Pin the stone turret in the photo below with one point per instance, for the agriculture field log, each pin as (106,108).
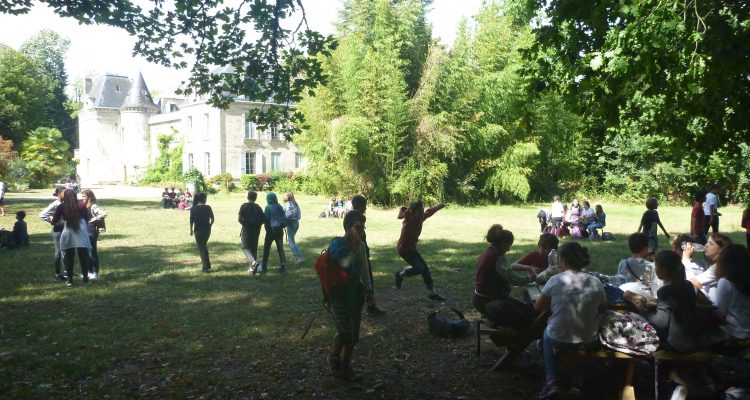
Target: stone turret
(136,110)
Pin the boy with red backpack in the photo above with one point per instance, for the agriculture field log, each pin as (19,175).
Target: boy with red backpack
(347,298)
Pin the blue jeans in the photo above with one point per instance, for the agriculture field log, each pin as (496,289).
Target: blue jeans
(550,360)
(594,226)
(292,226)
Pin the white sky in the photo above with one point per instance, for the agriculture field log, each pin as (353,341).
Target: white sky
(98,49)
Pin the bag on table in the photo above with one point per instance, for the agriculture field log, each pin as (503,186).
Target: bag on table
(627,333)
(445,326)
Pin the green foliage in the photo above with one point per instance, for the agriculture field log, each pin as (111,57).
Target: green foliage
(675,72)
(23,96)
(168,164)
(6,155)
(207,34)
(250,182)
(18,176)
(224,182)
(47,49)
(46,155)
(193,177)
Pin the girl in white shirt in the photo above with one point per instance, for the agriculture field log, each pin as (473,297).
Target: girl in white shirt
(732,294)
(574,300)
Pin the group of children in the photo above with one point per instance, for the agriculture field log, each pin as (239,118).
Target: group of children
(576,220)
(76,226)
(574,299)
(180,200)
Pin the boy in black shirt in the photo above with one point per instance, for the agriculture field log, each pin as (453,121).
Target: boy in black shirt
(20,231)
(252,218)
(201,219)
(650,223)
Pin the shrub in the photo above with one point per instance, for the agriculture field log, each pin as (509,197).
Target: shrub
(250,182)
(223,181)
(195,178)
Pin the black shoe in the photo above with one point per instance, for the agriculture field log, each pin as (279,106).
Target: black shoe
(69,283)
(375,311)
(436,297)
(206,270)
(87,281)
(399,279)
(282,269)
(59,278)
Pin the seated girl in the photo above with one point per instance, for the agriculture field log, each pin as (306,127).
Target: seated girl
(598,221)
(675,317)
(692,266)
(732,294)
(707,280)
(494,281)
(574,300)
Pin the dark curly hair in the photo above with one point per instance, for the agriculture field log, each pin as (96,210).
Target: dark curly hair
(575,255)
(499,236)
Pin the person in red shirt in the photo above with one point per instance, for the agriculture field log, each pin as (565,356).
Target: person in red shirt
(697,219)
(537,261)
(411,228)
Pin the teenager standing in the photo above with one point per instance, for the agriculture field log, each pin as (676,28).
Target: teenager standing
(201,219)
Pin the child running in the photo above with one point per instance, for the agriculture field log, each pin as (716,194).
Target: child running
(411,228)
(201,219)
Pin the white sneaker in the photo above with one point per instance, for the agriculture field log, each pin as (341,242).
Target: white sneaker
(93,276)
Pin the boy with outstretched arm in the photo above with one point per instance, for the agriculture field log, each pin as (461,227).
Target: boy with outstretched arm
(650,223)
(411,228)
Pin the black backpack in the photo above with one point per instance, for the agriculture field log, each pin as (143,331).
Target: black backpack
(444,326)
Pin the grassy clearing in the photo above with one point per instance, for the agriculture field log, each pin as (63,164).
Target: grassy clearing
(155,326)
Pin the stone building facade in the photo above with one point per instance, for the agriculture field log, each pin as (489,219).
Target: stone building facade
(119,125)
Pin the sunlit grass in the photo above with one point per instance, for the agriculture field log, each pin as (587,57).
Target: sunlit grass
(154,318)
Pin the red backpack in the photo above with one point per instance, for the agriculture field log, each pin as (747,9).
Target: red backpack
(331,274)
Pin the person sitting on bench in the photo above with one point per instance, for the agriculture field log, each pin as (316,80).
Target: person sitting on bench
(574,300)
(494,281)
(732,294)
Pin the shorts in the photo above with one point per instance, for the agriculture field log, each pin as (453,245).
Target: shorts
(347,319)
(2,201)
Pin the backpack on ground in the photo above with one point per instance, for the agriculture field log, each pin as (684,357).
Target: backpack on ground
(576,232)
(608,236)
(627,333)
(333,277)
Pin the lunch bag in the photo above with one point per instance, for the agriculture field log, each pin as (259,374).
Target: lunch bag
(445,326)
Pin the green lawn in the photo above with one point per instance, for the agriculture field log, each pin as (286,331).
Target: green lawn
(154,326)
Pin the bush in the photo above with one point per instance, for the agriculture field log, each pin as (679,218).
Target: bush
(250,182)
(195,178)
(223,182)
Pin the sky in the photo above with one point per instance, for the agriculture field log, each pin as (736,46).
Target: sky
(98,49)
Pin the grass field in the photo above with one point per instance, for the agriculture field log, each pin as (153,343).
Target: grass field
(154,326)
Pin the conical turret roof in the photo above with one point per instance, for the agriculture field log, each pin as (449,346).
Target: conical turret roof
(138,96)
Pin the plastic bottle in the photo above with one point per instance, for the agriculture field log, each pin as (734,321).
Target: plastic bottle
(552,260)
(697,247)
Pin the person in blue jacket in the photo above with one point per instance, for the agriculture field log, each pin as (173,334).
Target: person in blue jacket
(275,221)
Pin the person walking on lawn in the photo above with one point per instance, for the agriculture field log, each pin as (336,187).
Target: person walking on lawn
(411,228)
(359,204)
(275,222)
(201,220)
(251,218)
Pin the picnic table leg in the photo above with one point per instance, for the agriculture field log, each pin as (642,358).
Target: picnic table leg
(628,393)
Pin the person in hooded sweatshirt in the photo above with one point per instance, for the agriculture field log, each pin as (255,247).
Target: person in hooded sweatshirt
(275,221)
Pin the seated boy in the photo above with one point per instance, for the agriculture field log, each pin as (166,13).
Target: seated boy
(632,268)
(20,231)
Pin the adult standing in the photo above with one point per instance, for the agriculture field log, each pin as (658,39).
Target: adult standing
(97,218)
(2,199)
(251,218)
(711,209)
(275,219)
(697,218)
(47,215)
(359,204)
(556,213)
(74,237)
(293,215)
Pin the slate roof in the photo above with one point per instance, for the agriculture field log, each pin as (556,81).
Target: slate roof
(117,91)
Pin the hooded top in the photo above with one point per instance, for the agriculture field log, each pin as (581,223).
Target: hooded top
(274,213)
